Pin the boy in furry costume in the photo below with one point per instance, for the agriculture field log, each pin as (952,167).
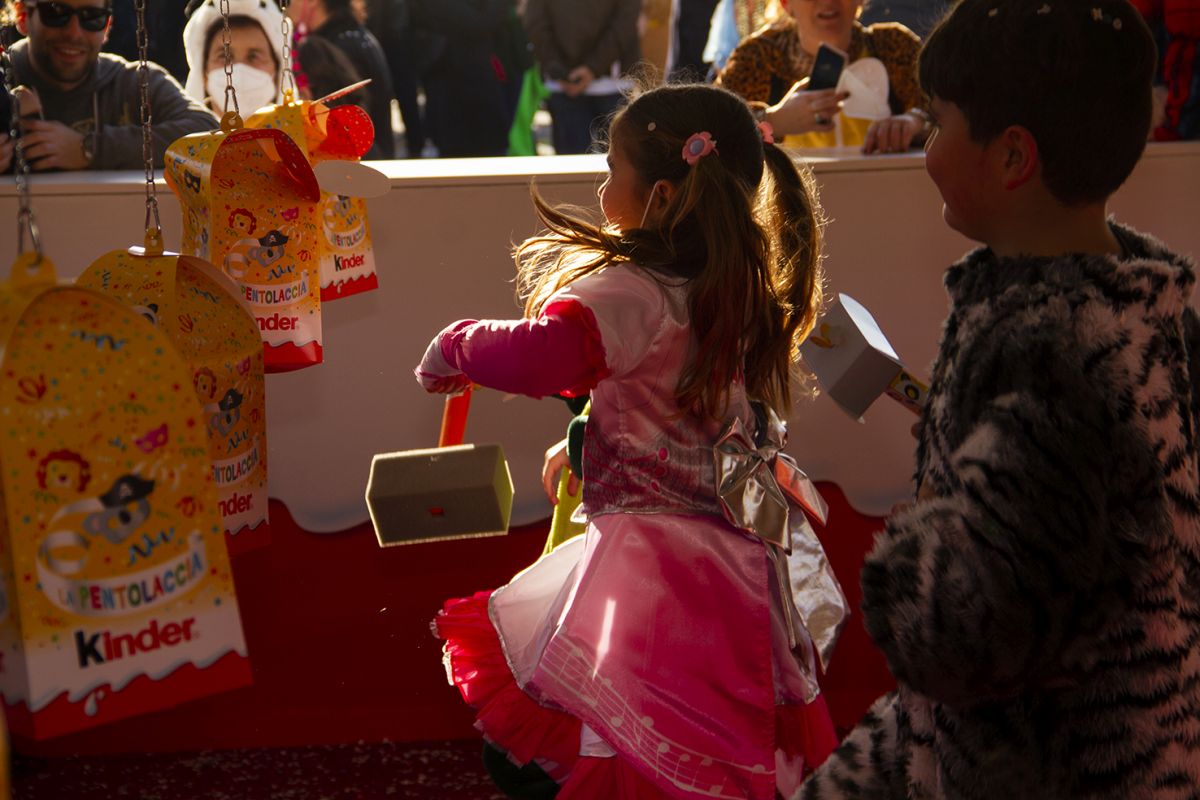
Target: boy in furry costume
(1039,603)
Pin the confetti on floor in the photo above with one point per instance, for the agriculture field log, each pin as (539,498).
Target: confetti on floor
(363,771)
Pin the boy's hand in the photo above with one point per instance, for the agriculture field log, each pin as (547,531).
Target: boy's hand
(555,462)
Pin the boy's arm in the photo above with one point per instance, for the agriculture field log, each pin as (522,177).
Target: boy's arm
(1001,582)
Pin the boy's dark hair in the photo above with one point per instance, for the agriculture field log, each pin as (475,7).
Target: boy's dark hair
(1076,73)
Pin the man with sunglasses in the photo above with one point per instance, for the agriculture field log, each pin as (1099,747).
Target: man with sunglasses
(84,108)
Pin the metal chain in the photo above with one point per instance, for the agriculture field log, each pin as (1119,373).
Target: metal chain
(287,79)
(225,36)
(153,234)
(26,222)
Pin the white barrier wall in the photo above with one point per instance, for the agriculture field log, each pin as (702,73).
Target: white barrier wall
(442,238)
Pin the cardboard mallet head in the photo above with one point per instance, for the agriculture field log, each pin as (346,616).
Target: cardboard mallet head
(453,491)
(855,363)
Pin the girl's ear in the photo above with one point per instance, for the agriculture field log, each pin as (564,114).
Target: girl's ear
(1019,150)
(663,192)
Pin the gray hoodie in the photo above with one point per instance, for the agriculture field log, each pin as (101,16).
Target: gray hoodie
(109,103)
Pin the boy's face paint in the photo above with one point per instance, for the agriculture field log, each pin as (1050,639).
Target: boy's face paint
(958,166)
(623,195)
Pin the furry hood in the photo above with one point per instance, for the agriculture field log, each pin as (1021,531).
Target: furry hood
(1146,263)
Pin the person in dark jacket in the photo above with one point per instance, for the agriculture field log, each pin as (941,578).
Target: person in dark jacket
(83,110)
(334,22)
(470,97)
(585,49)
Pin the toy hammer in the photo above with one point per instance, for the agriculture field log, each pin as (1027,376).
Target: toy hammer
(452,491)
(855,363)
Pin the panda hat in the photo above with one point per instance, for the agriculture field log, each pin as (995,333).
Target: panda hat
(207,14)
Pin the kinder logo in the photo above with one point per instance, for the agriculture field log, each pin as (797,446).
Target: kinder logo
(103,647)
(237,504)
(277,322)
(347,262)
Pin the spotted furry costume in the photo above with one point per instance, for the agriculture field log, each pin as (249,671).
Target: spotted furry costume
(1041,612)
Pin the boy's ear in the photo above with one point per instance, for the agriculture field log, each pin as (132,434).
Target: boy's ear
(22,13)
(1020,153)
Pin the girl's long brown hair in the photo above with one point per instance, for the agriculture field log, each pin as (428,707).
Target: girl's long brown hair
(743,227)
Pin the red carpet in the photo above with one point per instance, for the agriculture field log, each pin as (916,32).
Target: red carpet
(340,647)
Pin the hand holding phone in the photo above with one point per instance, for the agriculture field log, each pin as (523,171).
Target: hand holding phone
(827,67)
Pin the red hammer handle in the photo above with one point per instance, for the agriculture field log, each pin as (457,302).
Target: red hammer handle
(454,419)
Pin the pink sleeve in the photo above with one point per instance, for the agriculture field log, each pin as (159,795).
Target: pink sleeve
(560,352)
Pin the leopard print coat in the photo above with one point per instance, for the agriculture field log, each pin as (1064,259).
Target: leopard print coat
(767,63)
(1041,612)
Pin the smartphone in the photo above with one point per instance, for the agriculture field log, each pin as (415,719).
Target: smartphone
(827,68)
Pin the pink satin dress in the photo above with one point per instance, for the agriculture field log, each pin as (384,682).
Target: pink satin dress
(659,654)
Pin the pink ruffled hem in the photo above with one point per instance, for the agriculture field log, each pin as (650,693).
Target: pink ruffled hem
(527,731)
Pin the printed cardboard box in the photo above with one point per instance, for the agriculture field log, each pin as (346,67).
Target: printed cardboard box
(118,594)
(250,206)
(196,306)
(343,133)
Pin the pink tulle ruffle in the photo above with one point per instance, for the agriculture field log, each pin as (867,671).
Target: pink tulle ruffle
(507,716)
(527,731)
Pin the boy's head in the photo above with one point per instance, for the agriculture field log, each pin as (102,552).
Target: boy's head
(1076,74)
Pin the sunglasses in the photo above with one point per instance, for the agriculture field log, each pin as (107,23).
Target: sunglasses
(57,15)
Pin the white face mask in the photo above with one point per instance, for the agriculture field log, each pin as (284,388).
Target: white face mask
(254,87)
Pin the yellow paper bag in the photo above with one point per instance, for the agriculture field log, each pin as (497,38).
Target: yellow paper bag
(195,306)
(119,596)
(250,206)
(343,133)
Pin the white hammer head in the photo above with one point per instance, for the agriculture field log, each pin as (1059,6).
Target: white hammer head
(854,361)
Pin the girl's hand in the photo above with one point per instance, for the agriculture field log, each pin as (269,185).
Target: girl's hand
(802,111)
(436,375)
(556,461)
(893,134)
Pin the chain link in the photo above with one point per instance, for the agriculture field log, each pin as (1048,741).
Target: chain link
(287,79)
(225,41)
(26,222)
(143,43)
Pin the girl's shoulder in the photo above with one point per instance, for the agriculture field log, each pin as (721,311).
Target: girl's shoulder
(626,287)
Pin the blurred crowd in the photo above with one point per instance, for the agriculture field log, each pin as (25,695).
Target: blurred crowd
(469,77)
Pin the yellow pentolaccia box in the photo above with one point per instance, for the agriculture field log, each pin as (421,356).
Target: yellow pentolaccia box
(250,206)
(342,133)
(119,598)
(195,306)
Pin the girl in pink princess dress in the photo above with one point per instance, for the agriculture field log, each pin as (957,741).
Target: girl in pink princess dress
(670,651)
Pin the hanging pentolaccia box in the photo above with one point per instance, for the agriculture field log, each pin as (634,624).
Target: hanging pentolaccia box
(120,599)
(334,139)
(195,306)
(250,206)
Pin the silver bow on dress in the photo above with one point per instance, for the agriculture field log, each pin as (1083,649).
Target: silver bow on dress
(757,488)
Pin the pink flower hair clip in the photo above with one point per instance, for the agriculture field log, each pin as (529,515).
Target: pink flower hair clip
(698,146)
(768,133)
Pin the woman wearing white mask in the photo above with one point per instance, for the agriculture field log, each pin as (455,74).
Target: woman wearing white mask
(255,45)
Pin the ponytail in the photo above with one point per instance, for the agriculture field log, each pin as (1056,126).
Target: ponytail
(790,214)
